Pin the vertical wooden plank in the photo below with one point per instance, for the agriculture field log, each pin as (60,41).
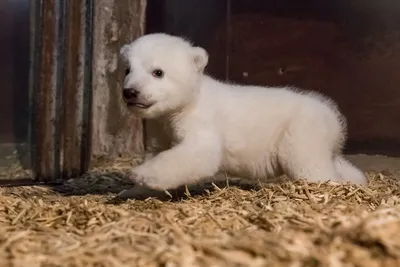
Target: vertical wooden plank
(76,88)
(60,80)
(116,132)
(44,83)
(72,89)
(86,138)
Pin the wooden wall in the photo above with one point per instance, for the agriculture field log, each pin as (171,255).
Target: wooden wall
(346,49)
(115,132)
(76,82)
(62,84)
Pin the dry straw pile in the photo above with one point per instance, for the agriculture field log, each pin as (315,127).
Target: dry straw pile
(296,224)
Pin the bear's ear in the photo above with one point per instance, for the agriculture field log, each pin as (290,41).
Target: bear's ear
(200,58)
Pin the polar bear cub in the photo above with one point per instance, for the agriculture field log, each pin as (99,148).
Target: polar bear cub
(247,131)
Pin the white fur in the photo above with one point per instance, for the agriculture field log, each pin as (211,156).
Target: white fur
(248,131)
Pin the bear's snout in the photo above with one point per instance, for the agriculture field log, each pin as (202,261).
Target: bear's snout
(130,93)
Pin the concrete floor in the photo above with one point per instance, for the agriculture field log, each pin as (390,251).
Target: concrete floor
(10,154)
(375,163)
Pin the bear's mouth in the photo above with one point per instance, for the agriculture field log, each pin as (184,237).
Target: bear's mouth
(138,105)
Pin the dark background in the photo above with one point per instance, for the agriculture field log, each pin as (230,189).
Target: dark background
(346,49)
(14,69)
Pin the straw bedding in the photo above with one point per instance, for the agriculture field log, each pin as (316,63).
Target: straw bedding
(218,223)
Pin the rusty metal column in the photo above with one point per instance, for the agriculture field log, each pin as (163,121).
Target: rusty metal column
(60,82)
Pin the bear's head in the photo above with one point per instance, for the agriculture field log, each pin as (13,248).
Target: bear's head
(163,74)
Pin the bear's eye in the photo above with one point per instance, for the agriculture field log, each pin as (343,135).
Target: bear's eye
(127,71)
(158,73)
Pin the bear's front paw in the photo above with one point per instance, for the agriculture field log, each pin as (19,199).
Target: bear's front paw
(142,178)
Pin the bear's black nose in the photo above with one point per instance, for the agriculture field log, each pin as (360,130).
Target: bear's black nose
(130,93)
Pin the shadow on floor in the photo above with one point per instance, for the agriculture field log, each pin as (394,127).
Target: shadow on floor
(114,183)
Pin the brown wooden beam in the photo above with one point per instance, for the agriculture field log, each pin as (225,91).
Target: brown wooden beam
(73,89)
(44,84)
(67,35)
(116,132)
(61,83)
